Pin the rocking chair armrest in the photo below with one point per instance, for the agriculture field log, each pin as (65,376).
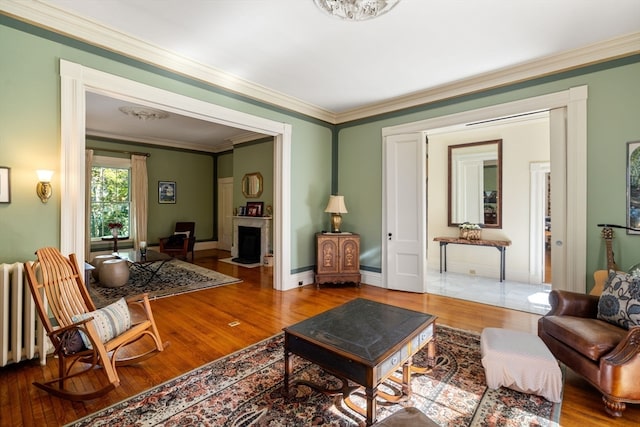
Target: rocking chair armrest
(74,325)
(137,298)
(139,308)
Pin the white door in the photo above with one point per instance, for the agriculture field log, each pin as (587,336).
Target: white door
(559,197)
(405,215)
(225,213)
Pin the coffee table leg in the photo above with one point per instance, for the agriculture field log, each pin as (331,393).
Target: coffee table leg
(372,405)
(406,378)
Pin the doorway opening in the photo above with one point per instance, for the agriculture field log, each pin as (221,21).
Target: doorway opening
(76,80)
(568,124)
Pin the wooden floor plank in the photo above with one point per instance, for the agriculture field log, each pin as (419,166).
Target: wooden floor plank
(197,326)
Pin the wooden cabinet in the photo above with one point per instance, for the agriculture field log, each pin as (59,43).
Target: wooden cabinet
(337,258)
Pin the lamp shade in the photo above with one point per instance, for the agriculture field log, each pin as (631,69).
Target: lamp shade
(336,205)
(44,175)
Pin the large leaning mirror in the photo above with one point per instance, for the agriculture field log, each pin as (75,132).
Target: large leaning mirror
(475,183)
(252,185)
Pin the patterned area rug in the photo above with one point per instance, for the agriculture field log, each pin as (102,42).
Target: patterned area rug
(175,277)
(245,389)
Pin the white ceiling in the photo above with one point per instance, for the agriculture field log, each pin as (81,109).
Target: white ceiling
(289,48)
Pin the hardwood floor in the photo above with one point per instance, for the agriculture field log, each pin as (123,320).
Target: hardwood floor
(197,325)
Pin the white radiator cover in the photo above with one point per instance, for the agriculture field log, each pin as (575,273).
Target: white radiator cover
(22,336)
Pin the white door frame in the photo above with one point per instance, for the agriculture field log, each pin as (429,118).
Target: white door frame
(538,173)
(222,183)
(574,100)
(77,79)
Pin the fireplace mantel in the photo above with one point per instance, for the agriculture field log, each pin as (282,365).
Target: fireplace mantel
(261,222)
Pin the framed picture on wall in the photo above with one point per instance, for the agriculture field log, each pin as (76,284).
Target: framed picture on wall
(5,187)
(633,186)
(254,208)
(166,192)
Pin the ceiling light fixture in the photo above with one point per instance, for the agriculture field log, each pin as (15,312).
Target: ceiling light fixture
(143,113)
(356,10)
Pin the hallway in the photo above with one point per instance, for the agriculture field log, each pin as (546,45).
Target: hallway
(513,295)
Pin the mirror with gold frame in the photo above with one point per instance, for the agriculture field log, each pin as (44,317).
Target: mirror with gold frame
(252,185)
(475,183)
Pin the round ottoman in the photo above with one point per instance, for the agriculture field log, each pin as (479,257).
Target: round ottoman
(97,262)
(114,273)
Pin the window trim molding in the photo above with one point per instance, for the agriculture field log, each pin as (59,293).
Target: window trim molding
(116,163)
(111,162)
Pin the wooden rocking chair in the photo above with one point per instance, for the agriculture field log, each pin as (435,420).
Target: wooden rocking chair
(70,321)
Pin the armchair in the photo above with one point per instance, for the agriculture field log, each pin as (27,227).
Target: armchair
(182,241)
(606,355)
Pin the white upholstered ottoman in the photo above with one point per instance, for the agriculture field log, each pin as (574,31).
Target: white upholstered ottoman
(520,361)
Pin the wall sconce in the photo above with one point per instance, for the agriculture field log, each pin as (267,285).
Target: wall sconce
(43,189)
(336,207)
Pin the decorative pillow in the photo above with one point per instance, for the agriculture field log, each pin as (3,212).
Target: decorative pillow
(184,233)
(619,302)
(109,321)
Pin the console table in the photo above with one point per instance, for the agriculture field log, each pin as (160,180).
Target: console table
(500,245)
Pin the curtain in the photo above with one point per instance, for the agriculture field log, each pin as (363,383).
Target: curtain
(140,199)
(88,161)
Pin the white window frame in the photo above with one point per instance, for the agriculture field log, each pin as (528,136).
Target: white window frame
(119,163)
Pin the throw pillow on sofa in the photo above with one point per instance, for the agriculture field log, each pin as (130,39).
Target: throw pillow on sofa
(619,303)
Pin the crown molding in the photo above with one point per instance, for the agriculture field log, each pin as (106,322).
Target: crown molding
(595,53)
(60,21)
(245,137)
(207,148)
(50,17)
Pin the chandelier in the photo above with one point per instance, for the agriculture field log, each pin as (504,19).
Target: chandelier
(356,10)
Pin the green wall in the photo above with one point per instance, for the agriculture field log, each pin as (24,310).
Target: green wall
(30,140)
(251,158)
(612,109)
(224,163)
(193,174)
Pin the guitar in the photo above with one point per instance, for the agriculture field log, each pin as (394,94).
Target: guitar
(600,276)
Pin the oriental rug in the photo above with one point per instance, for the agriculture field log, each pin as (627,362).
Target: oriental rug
(245,389)
(174,277)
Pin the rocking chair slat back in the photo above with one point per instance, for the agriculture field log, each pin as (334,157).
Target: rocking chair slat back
(63,285)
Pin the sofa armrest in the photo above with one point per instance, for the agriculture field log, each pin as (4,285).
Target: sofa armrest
(566,303)
(626,350)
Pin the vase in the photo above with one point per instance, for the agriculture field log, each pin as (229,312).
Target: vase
(114,233)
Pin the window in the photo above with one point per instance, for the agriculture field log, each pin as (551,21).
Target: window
(110,195)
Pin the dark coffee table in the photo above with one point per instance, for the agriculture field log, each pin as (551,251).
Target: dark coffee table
(366,342)
(149,263)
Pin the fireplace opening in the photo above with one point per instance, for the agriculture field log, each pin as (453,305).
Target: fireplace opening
(248,245)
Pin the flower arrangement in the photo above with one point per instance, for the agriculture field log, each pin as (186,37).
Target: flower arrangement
(114,225)
(470,231)
(469,226)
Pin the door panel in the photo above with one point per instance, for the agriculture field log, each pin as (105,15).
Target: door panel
(404,243)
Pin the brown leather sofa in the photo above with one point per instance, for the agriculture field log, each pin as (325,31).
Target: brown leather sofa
(606,355)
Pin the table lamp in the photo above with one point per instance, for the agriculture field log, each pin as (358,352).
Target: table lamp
(336,207)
